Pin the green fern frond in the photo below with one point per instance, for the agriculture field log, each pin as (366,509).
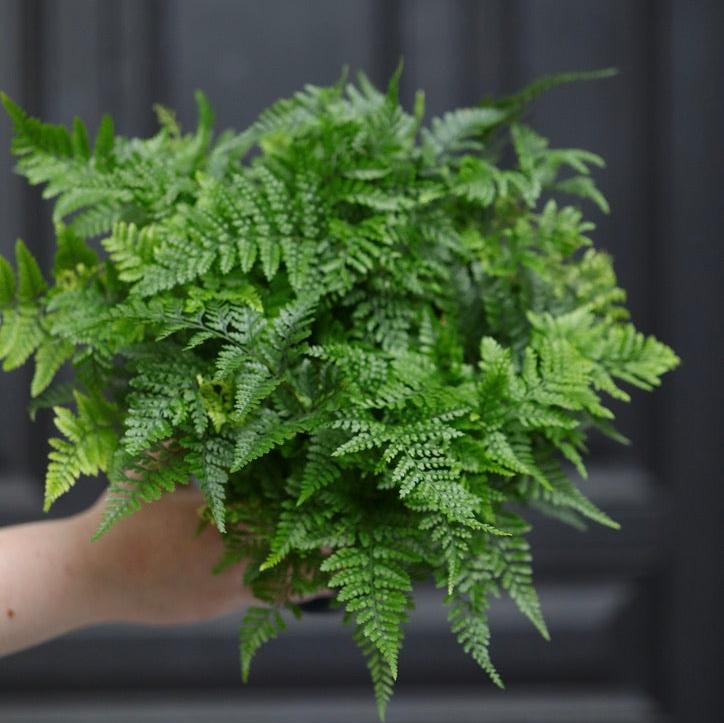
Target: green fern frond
(32,136)
(20,335)
(253,386)
(49,357)
(459,131)
(209,461)
(30,280)
(512,565)
(131,249)
(86,448)
(7,283)
(470,626)
(104,142)
(518,102)
(383,678)
(365,338)
(263,433)
(135,481)
(259,626)
(320,469)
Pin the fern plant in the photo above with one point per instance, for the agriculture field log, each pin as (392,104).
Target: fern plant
(374,342)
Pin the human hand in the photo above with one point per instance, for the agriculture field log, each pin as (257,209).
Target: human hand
(151,567)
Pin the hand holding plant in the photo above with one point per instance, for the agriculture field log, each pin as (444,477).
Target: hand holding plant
(152,568)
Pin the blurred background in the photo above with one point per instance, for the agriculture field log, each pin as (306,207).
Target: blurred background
(633,614)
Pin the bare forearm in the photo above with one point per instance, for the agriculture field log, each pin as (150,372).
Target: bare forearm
(151,567)
(45,586)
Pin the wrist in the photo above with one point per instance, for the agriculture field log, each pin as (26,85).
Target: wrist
(93,598)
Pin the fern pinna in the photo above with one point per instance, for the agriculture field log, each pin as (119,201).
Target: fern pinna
(373,342)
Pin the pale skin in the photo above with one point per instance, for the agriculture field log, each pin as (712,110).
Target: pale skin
(151,568)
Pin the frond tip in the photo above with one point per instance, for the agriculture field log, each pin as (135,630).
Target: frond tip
(258,626)
(86,447)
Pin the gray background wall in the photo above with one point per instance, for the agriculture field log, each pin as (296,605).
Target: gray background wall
(633,614)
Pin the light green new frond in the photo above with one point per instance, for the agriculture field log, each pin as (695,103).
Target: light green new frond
(231,360)
(299,250)
(565,378)
(177,260)
(21,330)
(20,335)
(584,187)
(477,181)
(79,139)
(358,249)
(97,220)
(377,200)
(272,219)
(566,494)
(529,146)
(7,283)
(608,350)
(238,325)
(449,497)
(364,435)
(542,166)
(637,359)
(103,150)
(72,253)
(151,419)
(298,257)
(32,136)
(49,357)
(87,195)
(199,144)
(361,367)
(131,249)
(57,395)
(87,447)
(258,626)
(30,280)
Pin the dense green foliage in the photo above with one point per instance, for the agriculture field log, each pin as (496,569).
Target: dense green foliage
(375,343)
